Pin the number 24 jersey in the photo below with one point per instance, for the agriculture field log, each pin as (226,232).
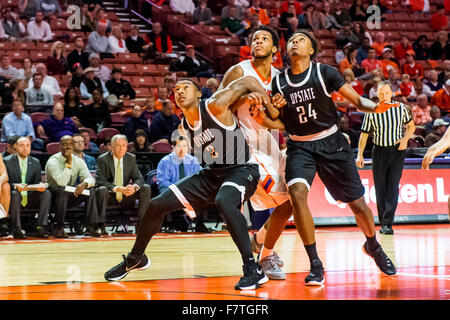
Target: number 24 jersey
(309,109)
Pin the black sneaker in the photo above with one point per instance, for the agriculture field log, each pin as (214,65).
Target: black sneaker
(60,233)
(91,230)
(381,259)
(41,233)
(19,234)
(316,275)
(252,279)
(121,270)
(386,230)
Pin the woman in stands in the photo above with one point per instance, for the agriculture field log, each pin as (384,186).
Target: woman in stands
(27,71)
(140,143)
(358,29)
(73,107)
(96,115)
(57,61)
(17,92)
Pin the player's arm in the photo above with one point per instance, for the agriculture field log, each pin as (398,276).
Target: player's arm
(222,100)
(436,149)
(232,74)
(364,104)
(235,73)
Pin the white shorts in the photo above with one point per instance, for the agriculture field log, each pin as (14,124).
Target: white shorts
(272,190)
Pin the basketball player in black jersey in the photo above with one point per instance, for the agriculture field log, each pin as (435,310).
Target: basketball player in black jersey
(316,145)
(229,177)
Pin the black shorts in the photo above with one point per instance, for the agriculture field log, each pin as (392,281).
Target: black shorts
(332,159)
(200,190)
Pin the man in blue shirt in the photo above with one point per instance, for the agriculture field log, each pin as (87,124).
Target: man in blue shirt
(164,123)
(78,148)
(20,124)
(174,167)
(57,125)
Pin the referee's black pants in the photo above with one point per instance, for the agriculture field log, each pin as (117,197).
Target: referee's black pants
(387,167)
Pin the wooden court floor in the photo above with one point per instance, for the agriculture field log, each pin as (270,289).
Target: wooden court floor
(206,267)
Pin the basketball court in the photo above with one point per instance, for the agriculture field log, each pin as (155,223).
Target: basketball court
(189,266)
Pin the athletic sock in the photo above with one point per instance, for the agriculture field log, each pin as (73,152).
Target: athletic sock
(261,235)
(372,243)
(265,253)
(312,252)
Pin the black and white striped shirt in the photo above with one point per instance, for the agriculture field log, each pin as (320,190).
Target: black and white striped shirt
(387,127)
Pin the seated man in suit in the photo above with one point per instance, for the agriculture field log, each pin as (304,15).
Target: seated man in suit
(24,170)
(119,181)
(64,169)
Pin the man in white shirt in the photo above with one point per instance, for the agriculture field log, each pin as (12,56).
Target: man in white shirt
(64,169)
(102,72)
(6,69)
(37,94)
(49,82)
(429,88)
(38,29)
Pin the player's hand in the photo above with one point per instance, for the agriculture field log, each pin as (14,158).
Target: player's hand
(360,162)
(428,159)
(278,101)
(258,113)
(259,99)
(384,105)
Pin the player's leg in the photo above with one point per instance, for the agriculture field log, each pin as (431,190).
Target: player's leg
(364,219)
(275,226)
(238,186)
(338,172)
(300,172)
(183,194)
(268,258)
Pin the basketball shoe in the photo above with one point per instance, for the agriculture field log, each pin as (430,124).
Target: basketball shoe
(256,248)
(253,277)
(381,259)
(271,268)
(316,275)
(121,270)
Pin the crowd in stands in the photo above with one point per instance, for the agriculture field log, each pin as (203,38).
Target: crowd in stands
(95,91)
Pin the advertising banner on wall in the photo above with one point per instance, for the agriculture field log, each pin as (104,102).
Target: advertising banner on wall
(423,197)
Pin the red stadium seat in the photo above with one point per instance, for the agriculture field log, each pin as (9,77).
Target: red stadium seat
(39,116)
(327,43)
(322,33)
(39,56)
(106,133)
(222,51)
(53,147)
(129,58)
(91,132)
(20,46)
(162,147)
(144,82)
(3,146)
(6,45)
(128,69)
(142,92)
(19,55)
(116,118)
(148,70)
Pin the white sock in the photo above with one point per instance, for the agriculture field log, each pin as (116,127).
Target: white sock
(261,235)
(265,253)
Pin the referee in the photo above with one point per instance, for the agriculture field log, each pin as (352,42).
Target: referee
(388,155)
